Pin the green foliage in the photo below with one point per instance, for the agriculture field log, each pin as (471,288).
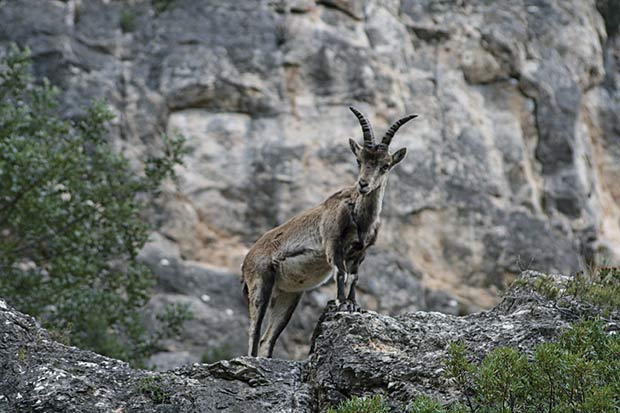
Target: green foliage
(216,354)
(580,372)
(70,220)
(500,380)
(600,288)
(161,6)
(22,355)
(361,405)
(127,21)
(424,404)
(546,287)
(153,388)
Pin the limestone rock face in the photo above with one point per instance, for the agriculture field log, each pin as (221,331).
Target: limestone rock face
(513,162)
(352,354)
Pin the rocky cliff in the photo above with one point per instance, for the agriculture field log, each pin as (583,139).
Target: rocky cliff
(359,354)
(512,164)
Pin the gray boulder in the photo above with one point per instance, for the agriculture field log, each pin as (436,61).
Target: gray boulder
(41,375)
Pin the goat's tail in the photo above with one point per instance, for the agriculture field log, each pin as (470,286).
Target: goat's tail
(245,286)
(245,290)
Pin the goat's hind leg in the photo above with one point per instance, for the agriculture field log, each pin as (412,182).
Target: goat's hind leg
(281,309)
(258,301)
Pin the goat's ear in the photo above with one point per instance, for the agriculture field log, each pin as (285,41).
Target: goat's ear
(398,156)
(355,147)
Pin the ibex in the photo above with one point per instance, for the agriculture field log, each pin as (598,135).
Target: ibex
(302,253)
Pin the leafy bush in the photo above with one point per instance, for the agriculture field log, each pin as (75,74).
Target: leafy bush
(599,289)
(580,372)
(153,388)
(70,220)
(602,288)
(361,405)
(425,404)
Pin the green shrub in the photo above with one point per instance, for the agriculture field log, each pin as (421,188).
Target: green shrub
(546,287)
(425,404)
(153,388)
(70,220)
(579,372)
(361,405)
(600,288)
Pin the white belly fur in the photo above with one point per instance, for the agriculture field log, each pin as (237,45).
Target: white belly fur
(303,272)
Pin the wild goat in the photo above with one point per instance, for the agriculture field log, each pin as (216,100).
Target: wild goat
(302,253)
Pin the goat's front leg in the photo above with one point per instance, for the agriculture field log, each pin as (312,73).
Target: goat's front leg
(354,267)
(336,258)
(349,304)
(346,302)
(335,252)
(351,296)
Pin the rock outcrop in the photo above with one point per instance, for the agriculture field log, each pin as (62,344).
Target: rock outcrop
(352,354)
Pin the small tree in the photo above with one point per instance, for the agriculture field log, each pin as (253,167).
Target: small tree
(71,221)
(577,372)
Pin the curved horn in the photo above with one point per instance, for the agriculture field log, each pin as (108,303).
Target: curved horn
(369,135)
(387,138)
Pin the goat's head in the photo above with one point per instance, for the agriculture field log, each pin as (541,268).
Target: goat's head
(374,160)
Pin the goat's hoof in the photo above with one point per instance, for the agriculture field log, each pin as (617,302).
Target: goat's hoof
(333,305)
(349,306)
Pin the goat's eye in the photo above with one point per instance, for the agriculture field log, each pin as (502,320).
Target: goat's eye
(385,168)
(358,162)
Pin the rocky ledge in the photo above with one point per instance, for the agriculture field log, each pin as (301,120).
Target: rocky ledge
(352,354)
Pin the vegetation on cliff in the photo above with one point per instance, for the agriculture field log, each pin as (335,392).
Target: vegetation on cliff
(71,220)
(577,372)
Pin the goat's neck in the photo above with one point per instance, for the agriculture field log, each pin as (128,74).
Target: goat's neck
(367,209)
